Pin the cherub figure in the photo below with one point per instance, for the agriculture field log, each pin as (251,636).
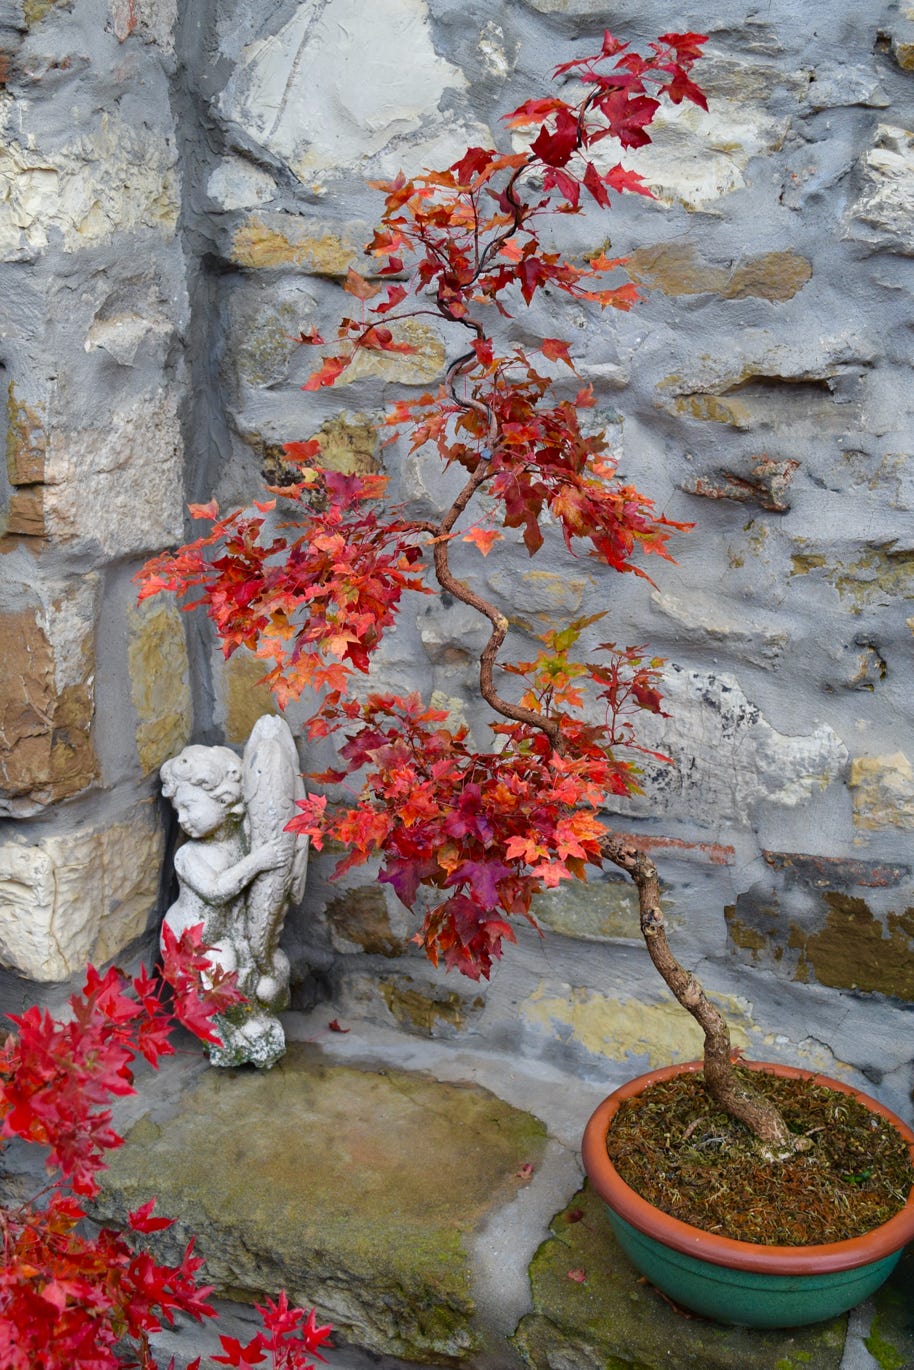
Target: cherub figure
(237,873)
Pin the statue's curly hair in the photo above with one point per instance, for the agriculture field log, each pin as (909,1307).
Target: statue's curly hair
(214,769)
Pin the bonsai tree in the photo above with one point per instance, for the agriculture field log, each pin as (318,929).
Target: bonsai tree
(481,831)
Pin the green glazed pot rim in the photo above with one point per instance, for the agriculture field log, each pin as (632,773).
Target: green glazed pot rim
(774,1260)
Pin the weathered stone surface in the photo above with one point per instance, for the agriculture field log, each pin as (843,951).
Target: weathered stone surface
(539,600)
(696,157)
(235,183)
(762,642)
(766,485)
(287,80)
(882,788)
(159,681)
(47,669)
(811,393)
(79,896)
(153,19)
(326,1198)
(599,911)
(349,443)
(26,441)
(359,919)
(726,756)
(115,177)
(271,241)
(815,919)
(883,213)
(420,367)
(659,1033)
(611,1320)
(880,573)
(676,269)
(433,1012)
(242,698)
(117,488)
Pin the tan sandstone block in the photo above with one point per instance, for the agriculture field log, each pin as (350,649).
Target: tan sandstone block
(882,788)
(46,697)
(78,897)
(159,681)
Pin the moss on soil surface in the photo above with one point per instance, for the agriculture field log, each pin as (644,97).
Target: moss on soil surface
(687,1157)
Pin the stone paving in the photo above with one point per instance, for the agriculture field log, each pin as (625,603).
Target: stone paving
(428,1197)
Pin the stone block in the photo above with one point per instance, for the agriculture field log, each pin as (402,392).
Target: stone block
(883,213)
(114,177)
(676,269)
(339,1199)
(882,789)
(697,157)
(79,896)
(241,699)
(276,241)
(287,79)
(47,671)
(830,921)
(117,489)
(619,1029)
(726,757)
(159,681)
(876,574)
(359,920)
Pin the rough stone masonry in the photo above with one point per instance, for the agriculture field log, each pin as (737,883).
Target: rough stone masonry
(182,191)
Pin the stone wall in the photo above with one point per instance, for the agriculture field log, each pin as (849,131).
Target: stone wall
(180,195)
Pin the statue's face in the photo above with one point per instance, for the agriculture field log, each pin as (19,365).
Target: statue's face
(199,813)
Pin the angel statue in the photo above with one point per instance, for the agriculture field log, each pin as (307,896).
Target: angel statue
(238,872)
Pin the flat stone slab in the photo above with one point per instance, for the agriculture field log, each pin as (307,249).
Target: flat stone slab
(611,1320)
(355,1189)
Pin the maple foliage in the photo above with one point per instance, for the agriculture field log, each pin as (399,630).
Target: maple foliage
(466,836)
(70,1297)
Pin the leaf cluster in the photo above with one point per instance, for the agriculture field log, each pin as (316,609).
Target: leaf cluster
(71,1296)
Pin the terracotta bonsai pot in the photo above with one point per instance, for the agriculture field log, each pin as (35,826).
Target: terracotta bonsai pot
(740,1282)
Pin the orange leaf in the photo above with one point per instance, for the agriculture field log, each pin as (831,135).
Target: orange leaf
(204,511)
(302,451)
(557,351)
(483,538)
(332,368)
(358,286)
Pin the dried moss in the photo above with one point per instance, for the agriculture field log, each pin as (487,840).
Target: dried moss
(674,1146)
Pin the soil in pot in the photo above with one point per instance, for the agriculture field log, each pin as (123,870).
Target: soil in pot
(682,1153)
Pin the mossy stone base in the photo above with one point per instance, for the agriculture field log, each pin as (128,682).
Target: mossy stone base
(611,1320)
(353,1189)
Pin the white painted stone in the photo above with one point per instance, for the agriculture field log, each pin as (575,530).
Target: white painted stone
(78,896)
(726,757)
(346,58)
(118,487)
(116,178)
(237,184)
(883,214)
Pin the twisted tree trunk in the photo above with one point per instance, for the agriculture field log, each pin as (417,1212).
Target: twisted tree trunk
(741,1102)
